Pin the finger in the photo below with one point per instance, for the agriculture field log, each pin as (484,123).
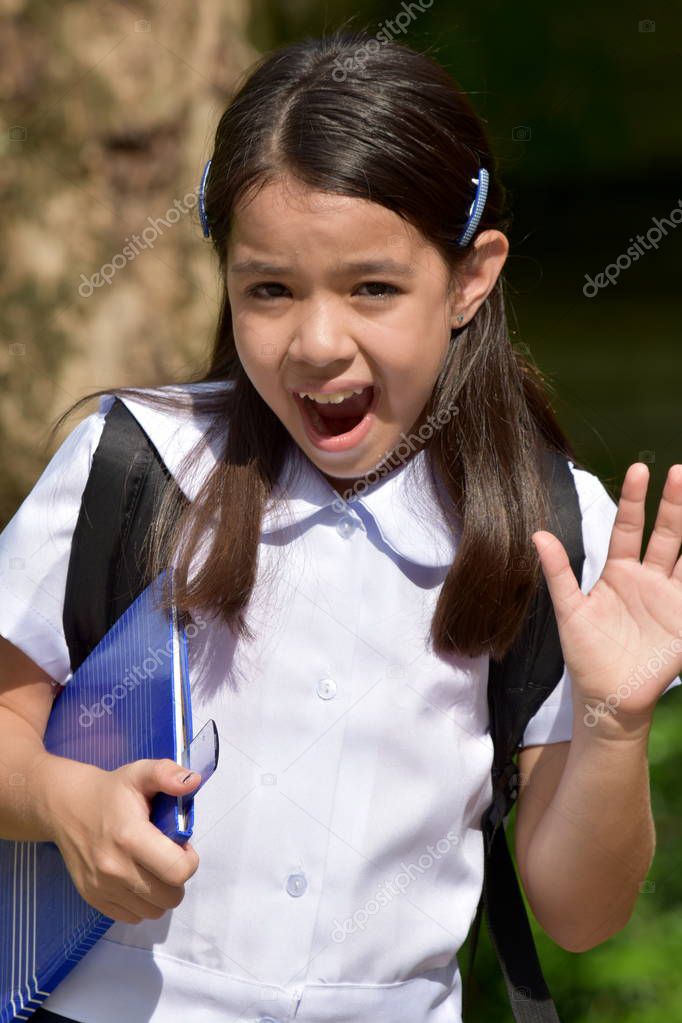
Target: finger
(133,911)
(664,543)
(155,894)
(118,912)
(136,903)
(162,860)
(561,582)
(150,890)
(626,535)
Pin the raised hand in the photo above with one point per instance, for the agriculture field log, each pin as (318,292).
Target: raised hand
(622,642)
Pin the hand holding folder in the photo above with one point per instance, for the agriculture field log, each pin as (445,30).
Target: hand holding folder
(129,700)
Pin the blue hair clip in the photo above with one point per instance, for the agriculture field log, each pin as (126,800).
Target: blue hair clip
(475,210)
(202,201)
(477,206)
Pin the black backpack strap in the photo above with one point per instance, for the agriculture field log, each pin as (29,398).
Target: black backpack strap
(517,686)
(106,564)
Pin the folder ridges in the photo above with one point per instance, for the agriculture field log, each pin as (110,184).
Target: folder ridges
(120,705)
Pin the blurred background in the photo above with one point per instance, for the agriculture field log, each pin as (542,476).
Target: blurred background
(108,115)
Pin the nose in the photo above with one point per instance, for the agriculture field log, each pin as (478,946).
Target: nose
(321,337)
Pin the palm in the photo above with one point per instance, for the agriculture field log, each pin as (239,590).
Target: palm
(627,631)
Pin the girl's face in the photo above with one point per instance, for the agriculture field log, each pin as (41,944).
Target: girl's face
(346,295)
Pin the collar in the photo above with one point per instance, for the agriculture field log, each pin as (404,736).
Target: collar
(403,503)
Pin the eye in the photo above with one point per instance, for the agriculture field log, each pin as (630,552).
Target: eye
(253,291)
(380,284)
(389,290)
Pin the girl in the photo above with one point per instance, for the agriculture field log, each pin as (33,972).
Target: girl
(362,458)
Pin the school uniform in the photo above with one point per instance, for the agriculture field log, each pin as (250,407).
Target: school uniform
(341,858)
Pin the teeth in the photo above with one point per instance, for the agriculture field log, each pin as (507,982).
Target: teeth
(335,399)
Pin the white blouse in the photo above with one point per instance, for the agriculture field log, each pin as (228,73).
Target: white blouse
(341,858)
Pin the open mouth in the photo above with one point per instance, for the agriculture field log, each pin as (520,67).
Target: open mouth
(329,421)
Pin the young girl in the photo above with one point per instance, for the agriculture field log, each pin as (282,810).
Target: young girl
(358,559)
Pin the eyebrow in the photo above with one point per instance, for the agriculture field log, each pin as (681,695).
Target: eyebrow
(377,266)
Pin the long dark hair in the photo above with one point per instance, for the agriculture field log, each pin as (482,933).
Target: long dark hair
(347,115)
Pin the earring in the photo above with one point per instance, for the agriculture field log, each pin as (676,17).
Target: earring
(459,318)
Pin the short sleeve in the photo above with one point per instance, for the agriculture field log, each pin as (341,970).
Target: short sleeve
(35,546)
(553,721)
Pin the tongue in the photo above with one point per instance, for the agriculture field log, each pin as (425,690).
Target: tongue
(351,407)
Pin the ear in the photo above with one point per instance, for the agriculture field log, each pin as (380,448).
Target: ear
(475,277)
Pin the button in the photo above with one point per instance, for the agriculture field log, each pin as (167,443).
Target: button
(346,526)
(326,688)
(296,884)
(267,1019)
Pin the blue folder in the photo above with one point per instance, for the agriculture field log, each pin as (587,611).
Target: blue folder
(128,700)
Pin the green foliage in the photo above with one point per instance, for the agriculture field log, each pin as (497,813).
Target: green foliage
(589,84)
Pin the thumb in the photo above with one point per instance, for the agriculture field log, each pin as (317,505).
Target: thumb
(165,775)
(562,584)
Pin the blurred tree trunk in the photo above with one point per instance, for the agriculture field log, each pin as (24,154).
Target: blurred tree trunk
(109,114)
